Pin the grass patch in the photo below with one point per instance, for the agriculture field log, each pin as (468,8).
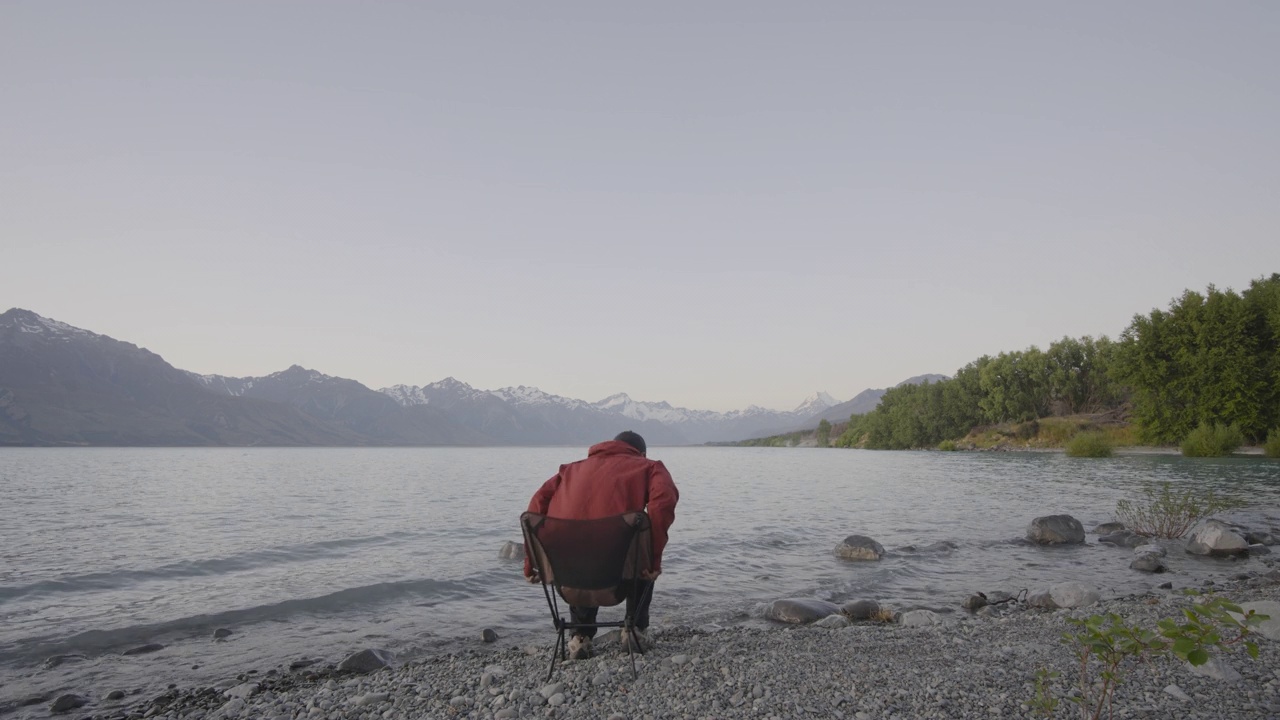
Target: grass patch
(1165,513)
(1272,446)
(1089,444)
(1212,440)
(947,446)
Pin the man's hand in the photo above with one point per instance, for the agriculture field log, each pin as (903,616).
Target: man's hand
(650,575)
(533,578)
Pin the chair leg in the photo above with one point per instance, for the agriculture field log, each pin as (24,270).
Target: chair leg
(631,642)
(555,653)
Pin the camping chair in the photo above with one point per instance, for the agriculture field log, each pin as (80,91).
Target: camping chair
(587,563)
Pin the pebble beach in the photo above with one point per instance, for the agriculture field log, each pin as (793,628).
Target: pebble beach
(967,666)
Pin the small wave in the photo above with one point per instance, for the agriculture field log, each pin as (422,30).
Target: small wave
(95,642)
(195,568)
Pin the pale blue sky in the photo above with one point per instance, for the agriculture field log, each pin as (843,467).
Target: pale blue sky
(713,204)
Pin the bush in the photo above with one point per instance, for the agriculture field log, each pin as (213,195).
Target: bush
(947,445)
(1212,440)
(1089,444)
(1272,446)
(1168,514)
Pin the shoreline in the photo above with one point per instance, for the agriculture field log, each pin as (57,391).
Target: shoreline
(969,665)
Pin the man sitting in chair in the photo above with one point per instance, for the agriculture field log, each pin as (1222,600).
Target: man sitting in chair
(615,478)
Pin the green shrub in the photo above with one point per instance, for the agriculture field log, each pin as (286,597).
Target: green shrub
(1212,440)
(947,445)
(1089,444)
(1168,514)
(1272,446)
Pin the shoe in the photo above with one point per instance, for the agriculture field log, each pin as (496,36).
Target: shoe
(637,639)
(579,647)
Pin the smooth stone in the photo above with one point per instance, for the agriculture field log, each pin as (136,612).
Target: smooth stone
(975,602)
(1109,527)
(1118,538)
(548,690)
(303,663)
(371,698)
(1259,537)
(799,611)
(366,661)
(221,633)
(1216,538)
(861,609)
(1150,548)
(833,622)
(115,695)
(489,636)
(859,547)
(1177,692)
(511,551)
(1165,586)
(1218,669)
(1055,530)
(507,713)
(1074,595)
(556,700)
(243,690)
(144,649)
(1269,629)
(919,618)
(1259,549)
(68,702)
(681,659)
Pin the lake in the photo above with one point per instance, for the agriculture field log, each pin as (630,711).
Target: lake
(316,553)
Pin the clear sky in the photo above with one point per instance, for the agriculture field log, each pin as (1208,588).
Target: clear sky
(715,203)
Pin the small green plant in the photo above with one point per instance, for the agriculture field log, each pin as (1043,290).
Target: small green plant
(947,445)
(1089,444)
(1044,704)
(1165,513)
(1105,645)
(1212,440)
(1272,446)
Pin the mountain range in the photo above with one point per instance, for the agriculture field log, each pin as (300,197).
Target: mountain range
(62,385)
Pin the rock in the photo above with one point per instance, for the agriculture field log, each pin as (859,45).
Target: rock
(1259,537)
(1149,548)
(1055,530)
(57,660)
(511,551)
(942,546)
(243,691)
(976,602)
(919,618)
(1258,549)
(859,547)
(861,609)
(1148,562)
(681,659)
(548,690)
(68,702)
(1119,538)
(1216,668)
(303,663)
(1217,539)
(1177,692)
(799,611)
(1108,528)
(833,622)
(370,698)
(489,635)
(366,661)
(1269,629)
(115,695)
(221,633)
(144,649)
(1064,595)
(1165,586)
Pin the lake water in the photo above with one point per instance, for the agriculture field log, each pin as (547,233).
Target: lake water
(316,553)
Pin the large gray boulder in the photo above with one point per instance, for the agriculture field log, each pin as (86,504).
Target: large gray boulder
(1148,562)
(800,611)
(1217,539)
(366,661)
(859,547)
(1055,530)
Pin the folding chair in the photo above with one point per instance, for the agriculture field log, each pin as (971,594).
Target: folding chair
(588,563)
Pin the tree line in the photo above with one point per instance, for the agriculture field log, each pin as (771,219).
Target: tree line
(1211,358)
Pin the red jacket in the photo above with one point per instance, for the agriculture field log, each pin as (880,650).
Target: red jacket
(614,479)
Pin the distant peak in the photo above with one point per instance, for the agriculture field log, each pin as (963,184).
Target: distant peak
(29,322)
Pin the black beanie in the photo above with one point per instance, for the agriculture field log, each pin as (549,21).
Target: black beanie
(632,439)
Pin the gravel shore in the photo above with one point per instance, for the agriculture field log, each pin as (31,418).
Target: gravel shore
(969,666)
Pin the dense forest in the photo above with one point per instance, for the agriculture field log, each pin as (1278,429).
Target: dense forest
(1210,358)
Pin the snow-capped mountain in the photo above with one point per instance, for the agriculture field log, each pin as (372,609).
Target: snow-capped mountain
(815,404)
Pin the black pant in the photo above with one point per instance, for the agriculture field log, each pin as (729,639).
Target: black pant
(637,607)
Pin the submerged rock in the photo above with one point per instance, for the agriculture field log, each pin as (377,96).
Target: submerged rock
(1108,528)
(221,633)
(1148,562)
(859,547)
(68,702)
(489,636)
(1055,530)
(800,611)
(144,649)
(861,609)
